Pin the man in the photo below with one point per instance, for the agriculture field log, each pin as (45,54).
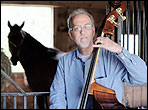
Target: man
(115,64)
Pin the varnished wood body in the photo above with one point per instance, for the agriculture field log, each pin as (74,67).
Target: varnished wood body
(105,97)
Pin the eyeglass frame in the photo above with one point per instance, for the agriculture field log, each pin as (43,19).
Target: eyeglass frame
(80,28)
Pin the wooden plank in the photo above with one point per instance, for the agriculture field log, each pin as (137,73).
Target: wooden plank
(128,96)
(137,96)
(144,96)
(66,4)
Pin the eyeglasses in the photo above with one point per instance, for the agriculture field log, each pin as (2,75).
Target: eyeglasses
(79,28)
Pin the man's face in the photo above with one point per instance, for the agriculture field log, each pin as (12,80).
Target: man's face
(83,31)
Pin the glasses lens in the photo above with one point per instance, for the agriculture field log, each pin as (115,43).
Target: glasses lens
(76,28)
(88,26)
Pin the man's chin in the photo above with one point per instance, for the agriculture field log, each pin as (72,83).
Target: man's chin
(84,46)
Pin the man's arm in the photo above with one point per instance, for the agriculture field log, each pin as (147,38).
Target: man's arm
(135,66)
(57,90)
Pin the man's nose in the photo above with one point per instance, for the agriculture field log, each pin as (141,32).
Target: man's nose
(82,31)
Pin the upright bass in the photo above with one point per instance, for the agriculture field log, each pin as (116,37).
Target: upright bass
(105,98)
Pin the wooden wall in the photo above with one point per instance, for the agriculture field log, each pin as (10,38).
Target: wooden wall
(135,96)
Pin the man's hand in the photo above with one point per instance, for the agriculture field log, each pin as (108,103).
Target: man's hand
(108,44)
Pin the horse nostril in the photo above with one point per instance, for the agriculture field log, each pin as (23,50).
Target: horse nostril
(14,61)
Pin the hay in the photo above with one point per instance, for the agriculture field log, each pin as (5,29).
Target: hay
(5,66)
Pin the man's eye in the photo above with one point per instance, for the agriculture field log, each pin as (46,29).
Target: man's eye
(76,28)
(88,26)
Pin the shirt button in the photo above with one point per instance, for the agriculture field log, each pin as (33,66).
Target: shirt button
(123,57)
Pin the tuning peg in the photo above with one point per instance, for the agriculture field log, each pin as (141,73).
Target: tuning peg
(112,20)
(119,11)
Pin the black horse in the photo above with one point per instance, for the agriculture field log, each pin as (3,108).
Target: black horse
(38,61)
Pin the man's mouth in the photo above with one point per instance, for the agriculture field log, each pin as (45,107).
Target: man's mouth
(83,39)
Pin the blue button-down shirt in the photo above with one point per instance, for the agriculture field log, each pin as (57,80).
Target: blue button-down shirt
(111,71)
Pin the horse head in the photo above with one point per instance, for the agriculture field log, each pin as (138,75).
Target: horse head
(15,39)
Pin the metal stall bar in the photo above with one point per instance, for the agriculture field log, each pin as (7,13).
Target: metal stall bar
(128,23)
(12,82)
(22,93)
(4,102)
(134,25)
(14,102)
(25,102)
(119,32)
(144,31)
(35,102)
(123,32)
(139,27)
(34,94)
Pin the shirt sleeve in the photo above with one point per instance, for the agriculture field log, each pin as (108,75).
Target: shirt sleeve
(135,66)
(57,90)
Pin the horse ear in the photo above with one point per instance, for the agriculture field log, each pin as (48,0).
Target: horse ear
(22,24)
(9,24)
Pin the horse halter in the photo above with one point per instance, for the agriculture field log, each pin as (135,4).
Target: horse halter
(17,47)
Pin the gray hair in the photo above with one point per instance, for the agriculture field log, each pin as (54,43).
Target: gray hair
(74,13)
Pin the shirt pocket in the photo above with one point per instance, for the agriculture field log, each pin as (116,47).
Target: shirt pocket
(102,80)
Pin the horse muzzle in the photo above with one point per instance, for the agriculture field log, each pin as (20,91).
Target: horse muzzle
(14,60)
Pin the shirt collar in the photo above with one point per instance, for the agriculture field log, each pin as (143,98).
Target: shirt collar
(77,55)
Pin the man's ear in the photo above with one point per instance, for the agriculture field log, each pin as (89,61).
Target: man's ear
(70,35)
(93,31)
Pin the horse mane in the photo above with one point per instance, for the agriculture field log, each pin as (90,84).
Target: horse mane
(32,40)
(37,47)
